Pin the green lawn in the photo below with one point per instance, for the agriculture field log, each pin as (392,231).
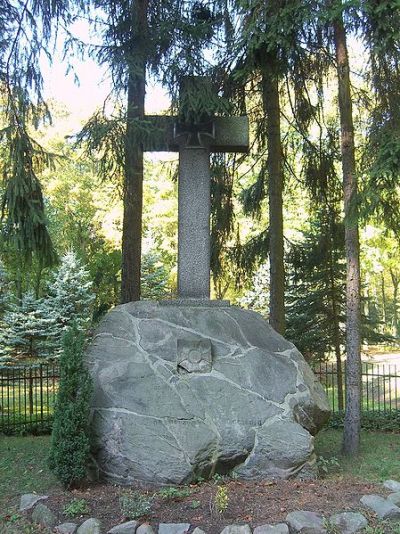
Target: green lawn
(23,467)
(378,460)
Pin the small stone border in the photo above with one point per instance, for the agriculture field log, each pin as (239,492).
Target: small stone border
(298,522)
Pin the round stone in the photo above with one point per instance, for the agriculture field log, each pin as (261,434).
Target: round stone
(184,391)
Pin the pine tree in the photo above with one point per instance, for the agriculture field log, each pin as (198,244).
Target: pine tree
(257,297)
(4,291)
(352,425)
(70,300)
(316,292)
(26,327)
(70,444)
(28,31)
(154,277)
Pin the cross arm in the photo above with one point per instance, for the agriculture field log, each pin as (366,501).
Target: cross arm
(231,134)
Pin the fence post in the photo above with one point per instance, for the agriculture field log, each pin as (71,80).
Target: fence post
(41,391)
(30,392)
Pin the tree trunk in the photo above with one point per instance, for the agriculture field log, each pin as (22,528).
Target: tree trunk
(396,283)
(336,337)
(384,301)
(133,179)
(351,436)
(271,104)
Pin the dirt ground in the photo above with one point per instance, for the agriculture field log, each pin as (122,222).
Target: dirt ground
(255,503)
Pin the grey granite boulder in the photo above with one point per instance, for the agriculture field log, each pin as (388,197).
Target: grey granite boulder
(90,526)
(66,528)
(198,530)
(129,527)
(306,522)
(392,485)
(280,528)
(29,500)
(187,391)
(395,498)
(145,529)
(236,529)
(173,528)
(383,508)
(348,522)
(43,516)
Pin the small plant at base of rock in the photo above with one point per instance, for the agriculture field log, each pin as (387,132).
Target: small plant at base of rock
(327,465)
(174,493)
(221,499)
(378,529)
(195,504)
(330,528)
(134,504)
(76,508)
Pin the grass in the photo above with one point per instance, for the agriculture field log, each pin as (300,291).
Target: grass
(379,458)
(23,467)
(19,414)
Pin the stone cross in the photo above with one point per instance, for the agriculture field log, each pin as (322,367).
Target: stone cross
(195,142)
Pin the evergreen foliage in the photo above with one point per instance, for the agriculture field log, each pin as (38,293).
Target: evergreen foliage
(70,299)
(27,32)
(25,330)
(70,445)
(4,291)
(154,277)
(257,297)
(316,289)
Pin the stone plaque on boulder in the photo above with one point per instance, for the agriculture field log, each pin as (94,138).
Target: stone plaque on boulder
(194,355)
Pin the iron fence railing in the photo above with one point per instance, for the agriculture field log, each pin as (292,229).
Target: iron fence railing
(27,397)
(380,386)
(28,393)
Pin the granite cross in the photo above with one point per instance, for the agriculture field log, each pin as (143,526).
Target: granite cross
(195,141)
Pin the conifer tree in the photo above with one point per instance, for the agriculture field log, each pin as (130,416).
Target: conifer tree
(70,300)
(70,444)
(27,32)
(26,327)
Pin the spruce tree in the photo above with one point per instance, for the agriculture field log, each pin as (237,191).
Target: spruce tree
(70,300)
(70,444)
(154,277)
(26,327)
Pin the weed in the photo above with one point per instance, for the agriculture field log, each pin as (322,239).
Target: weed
(327,465)
(218,479)
(221,499)
(76,507)
(377,529)
(174,493)
(331,528)
(195,504)
(135,504)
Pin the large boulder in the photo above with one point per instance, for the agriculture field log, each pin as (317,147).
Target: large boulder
(183,391)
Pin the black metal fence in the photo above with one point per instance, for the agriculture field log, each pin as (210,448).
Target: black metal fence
(27,397)
(380,386)
(28,393)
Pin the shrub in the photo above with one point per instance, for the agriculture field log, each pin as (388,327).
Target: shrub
(70,446)
(371,420)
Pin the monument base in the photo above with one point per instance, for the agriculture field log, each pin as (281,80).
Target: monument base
(182,392)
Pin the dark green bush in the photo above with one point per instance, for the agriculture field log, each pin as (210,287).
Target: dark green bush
(70,445)
(371,420)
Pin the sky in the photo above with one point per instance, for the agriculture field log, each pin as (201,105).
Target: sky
(82,99)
